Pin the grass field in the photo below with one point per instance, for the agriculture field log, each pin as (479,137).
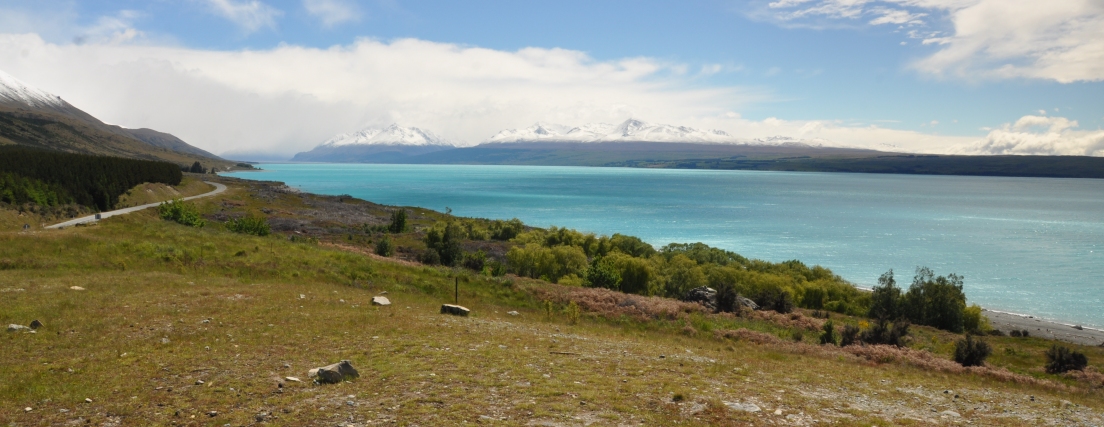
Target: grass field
(165,306)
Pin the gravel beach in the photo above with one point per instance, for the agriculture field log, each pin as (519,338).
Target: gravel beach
(1007,322)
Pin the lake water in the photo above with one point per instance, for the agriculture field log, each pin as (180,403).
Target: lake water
(1025,245)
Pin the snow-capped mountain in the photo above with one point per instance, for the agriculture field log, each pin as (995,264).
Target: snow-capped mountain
(374,145)
(629,130)
(391,135)
(15,92)
(633,130)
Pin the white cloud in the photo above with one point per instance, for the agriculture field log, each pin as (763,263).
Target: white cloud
(1059,40)
(1038,135)
(250,15)
(291,98)
(332,12)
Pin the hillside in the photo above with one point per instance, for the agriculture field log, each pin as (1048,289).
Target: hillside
(202,326)
(33,117)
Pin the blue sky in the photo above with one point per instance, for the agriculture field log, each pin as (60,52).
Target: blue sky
(977,76)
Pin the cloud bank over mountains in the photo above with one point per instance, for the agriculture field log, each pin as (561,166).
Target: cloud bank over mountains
(1038,135)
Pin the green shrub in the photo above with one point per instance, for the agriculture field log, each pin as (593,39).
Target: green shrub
(849,335)
(778,300)
(398,222)
(882,332)
(506,230)
(257,226)
(885,298)
(1061,359)
(384,247)
(475,261)
(935,301)
(180,212)
(974,322)
(494,268)
(444,238)
(602,274)
(429,257)
(829,335)
(727,298)
(971,352)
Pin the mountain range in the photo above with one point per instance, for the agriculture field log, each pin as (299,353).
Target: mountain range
(376,145)
(33,117)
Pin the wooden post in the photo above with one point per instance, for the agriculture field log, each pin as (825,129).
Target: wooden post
(457,290)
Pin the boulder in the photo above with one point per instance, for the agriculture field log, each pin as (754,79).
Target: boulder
(454,310)
(746,407)
(16,328)
(380,301)
(334,373)
(35,324)
(703,295)
(747,302)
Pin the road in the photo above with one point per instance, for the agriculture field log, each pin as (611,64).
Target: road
(219,188)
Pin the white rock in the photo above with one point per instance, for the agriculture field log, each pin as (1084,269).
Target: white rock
(380,301)
(76,288)
(951,414)
(16,328)
(293,379)
(512,313)
(746,407)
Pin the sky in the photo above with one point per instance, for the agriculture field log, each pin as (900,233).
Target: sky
(268,78)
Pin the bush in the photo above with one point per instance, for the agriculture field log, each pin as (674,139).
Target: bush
(494,268)
(935,301)
(829,335)
(971,352)
(257,226)
(602,274)
(778,300)
(444,238)
(506,230)
(1061,359)
(384,247)
(974,322)
(475,261)
(727,299)
(183,213)
(882,332)
(885,298)
(849,335)
(430,257)
(398,222)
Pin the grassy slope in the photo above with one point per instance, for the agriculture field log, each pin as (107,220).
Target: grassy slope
(152,193)
(135,342)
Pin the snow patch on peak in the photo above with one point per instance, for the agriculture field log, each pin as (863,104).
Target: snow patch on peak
(391,135)
(13,90)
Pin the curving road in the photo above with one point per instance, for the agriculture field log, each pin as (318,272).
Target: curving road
(219,188)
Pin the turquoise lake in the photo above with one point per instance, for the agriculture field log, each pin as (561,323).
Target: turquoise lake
(1024,245)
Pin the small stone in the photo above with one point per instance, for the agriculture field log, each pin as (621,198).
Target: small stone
(952,414)
(212,413)
(206,321)
(199,382)
(28,409)
(380,301)
(512,313)
(341,300)
(301,296)
(165,341)
(746,407)
(293,379)
(454,310)
(777,412)
(261,417)
(63,410)
(88,400)
(35,324)
(16,328)
(76,288)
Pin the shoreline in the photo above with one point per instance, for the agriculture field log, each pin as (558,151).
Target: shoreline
(1041,328)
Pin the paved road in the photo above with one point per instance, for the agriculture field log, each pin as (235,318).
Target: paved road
(92,218)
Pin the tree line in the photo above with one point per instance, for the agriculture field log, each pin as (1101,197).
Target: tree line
(44,177)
